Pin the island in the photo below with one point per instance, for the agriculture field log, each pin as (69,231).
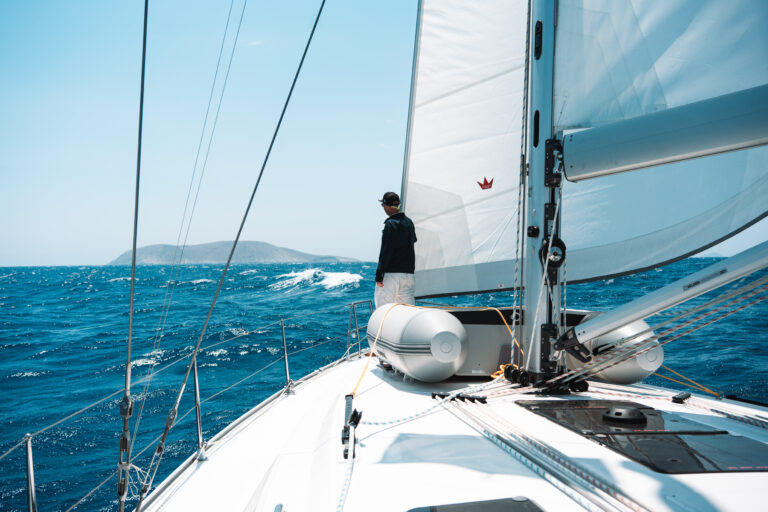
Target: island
(217,252)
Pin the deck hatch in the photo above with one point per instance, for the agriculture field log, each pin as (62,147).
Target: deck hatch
(586,417)
(518,504)
(667,442)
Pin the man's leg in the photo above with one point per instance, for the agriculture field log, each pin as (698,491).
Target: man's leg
(404,292)
(385,294)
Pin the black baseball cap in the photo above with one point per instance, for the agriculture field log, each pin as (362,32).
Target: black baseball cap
(390,199)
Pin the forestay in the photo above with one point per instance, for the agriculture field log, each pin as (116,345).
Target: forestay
(463,156)
(624,60)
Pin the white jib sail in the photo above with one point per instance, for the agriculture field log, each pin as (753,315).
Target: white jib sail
(462,169)
(624,60)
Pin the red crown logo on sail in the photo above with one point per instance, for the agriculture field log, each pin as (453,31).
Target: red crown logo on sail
(485,184)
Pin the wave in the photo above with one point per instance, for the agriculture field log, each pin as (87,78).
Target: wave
(116,279)
(196,281)
(317,277)
(143,362)
(27,374)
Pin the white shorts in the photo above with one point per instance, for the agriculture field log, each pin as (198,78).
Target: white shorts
(398,287)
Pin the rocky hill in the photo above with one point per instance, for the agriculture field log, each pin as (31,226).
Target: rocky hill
(217,252)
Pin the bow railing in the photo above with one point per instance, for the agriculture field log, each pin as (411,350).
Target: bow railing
(353,348)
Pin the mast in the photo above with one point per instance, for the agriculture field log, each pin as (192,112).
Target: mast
(541,285)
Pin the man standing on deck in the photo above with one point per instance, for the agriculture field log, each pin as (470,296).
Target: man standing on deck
(394,275)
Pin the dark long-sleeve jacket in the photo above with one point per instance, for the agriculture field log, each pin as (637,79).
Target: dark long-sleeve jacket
(397,239)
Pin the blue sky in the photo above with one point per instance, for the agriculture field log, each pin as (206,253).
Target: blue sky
(69,114)
(70,107)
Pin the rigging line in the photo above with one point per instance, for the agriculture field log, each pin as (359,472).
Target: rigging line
(136,204)
(124,452)
(503,440)
(494,422)
(693,382)
(176,268)
(142,380)
(373,347)
(697,309)
(607,360)
(646,345)
(686,384)
(235,384)
(169,422)
(190,411)
(544,276)
(99,486)
(518,286)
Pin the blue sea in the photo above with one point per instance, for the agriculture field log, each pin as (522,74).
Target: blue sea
(63,337)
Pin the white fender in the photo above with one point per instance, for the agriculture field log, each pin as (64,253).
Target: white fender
(427,344)
(632,370)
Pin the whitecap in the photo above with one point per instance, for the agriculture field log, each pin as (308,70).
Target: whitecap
(27,374)
(113,280)
(217,353)
(238,331)
(248,272)
(201,281)
(7,275)
(308,276)
(609,281)
(317,277)
(142,362)
(337,279)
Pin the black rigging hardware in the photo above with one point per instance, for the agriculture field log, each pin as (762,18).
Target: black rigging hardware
(126,405)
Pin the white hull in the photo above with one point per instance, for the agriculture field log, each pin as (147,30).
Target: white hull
(289,453)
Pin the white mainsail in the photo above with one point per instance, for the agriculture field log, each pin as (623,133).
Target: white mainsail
(614,60)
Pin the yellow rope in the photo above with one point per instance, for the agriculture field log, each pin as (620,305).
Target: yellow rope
(373,347)
(498,373)
(484,308)
(691,383)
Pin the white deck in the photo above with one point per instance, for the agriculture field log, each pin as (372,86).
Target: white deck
(289,453)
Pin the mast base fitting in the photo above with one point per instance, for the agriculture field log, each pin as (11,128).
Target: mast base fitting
(578,386)
(517,376)
(553,390)
(570,343)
